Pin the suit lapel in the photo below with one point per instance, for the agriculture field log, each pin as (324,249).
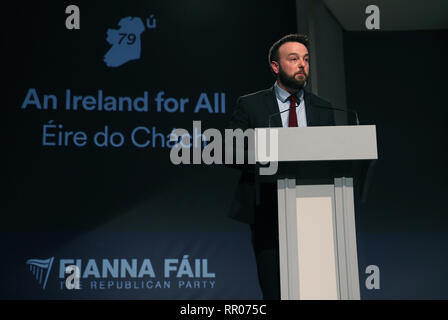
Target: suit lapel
(272,106)
(309,110)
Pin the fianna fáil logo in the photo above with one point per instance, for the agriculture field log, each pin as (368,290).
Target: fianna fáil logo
(40,269)
(126,41)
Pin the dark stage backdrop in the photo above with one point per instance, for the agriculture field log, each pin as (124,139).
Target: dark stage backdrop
(207,53)
(94,201)
(397,81)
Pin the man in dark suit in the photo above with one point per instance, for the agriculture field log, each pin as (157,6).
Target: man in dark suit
(257,204)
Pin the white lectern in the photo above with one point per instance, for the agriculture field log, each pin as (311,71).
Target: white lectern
(316,220)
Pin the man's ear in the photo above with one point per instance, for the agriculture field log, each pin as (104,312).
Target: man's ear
(275,66)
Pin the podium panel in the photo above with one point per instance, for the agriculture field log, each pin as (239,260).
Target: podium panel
(316,214)
(317,241)
(316,143)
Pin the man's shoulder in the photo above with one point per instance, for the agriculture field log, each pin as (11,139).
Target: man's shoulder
(316,100)
(313,98)
(257,95)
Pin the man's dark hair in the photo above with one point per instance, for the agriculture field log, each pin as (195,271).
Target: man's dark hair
(273,52)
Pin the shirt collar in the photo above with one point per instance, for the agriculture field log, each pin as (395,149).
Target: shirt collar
(283,95)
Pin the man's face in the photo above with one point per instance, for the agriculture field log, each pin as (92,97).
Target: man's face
(293,66)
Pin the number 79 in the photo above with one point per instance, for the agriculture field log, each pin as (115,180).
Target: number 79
(129,36)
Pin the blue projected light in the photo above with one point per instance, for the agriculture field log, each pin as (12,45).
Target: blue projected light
(126,42)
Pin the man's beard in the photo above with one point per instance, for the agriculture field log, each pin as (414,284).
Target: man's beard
(291,81)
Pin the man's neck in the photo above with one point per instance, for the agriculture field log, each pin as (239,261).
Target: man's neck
(290,90)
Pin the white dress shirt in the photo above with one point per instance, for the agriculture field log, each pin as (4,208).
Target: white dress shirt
(283,104)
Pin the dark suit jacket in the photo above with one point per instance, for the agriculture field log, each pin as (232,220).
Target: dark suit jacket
(253,111)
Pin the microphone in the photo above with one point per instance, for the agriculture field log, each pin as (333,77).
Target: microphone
(277,113)
(322,107)
(340,109)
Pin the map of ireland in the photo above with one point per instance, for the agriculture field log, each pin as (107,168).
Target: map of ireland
(125,41)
